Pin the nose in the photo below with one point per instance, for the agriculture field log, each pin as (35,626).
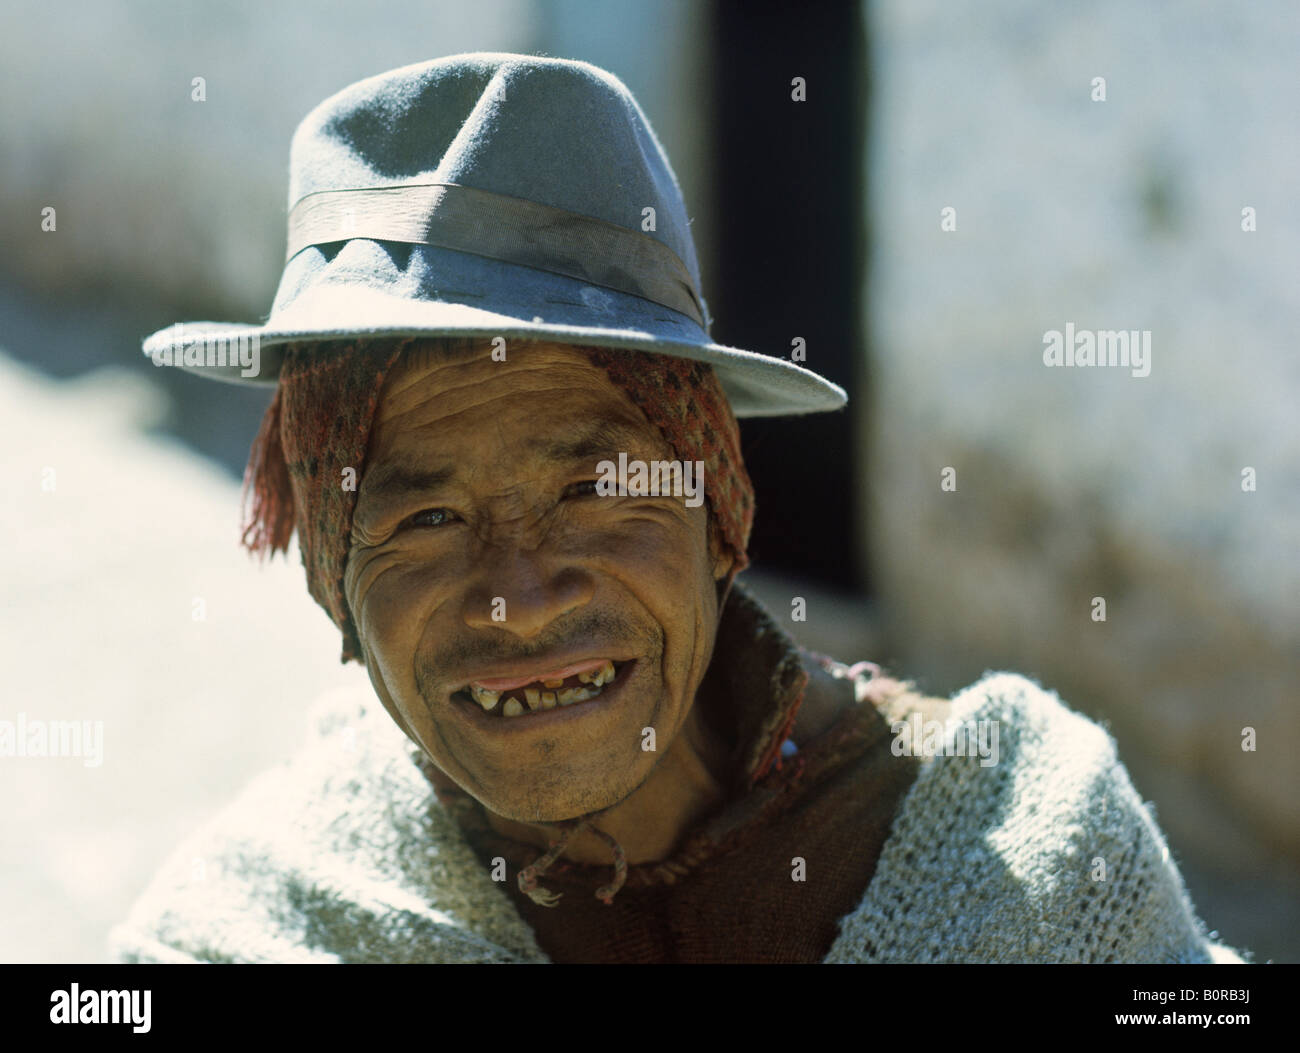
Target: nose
(522,592)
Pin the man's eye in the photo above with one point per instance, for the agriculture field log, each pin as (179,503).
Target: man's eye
(428,517)
(586,488)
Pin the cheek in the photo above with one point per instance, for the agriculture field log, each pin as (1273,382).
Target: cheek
(666,566)
(658,547)
(395,597)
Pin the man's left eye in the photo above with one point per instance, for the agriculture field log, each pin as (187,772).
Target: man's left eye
(429,517)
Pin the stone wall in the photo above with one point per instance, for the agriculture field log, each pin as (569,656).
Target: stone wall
(1073,483)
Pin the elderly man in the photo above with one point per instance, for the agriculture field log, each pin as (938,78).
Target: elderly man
(511,454)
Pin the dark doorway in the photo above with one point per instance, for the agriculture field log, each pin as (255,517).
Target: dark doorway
(789,198)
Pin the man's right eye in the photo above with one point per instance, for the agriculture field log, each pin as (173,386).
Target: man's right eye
(428,517)
(586,488)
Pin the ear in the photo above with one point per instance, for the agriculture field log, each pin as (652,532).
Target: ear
(720,555)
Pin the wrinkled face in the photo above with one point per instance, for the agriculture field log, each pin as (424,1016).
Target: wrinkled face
(484,563)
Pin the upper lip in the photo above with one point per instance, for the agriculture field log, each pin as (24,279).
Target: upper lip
(528,670)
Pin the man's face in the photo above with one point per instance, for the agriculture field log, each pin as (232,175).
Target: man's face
(481,555)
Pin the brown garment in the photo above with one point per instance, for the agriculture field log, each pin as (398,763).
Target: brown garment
(728,893)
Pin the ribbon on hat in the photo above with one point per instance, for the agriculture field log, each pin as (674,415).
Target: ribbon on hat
(500,227)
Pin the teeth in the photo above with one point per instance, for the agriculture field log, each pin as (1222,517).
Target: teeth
(578,694)
(487,699)
(602,675)
(535,699)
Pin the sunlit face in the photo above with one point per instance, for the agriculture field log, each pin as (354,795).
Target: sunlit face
(481,555)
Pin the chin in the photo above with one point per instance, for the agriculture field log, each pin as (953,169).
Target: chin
(548,800)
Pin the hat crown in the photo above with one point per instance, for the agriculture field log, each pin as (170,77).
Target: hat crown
(558,132)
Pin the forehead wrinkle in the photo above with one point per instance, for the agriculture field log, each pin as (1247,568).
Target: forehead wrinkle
(425,407)
(562,367)
(401,472)
(412,418)
(603,428)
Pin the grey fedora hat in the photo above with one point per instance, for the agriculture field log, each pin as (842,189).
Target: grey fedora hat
(489,194)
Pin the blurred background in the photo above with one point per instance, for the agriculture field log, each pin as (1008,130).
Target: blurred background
(127,601)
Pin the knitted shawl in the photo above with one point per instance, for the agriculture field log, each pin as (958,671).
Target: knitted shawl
(344,854)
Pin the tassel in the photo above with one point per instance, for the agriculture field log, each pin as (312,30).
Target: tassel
(606,893)
(546,898)
(529,875)
(268,518)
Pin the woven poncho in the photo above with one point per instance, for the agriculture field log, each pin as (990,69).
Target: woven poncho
(344,854)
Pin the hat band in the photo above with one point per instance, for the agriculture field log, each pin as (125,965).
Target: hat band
(500,227)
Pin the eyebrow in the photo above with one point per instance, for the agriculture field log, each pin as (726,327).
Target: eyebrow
(593,438)
(395,478)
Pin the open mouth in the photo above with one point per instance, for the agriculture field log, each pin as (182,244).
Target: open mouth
(537,696)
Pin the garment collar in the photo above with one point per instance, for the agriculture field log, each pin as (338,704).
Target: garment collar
(755,684)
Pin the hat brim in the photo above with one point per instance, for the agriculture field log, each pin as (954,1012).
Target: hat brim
(757,385)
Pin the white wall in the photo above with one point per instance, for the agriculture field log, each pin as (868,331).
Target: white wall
(1076,483)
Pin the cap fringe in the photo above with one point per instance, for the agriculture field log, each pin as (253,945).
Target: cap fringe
(267,499)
